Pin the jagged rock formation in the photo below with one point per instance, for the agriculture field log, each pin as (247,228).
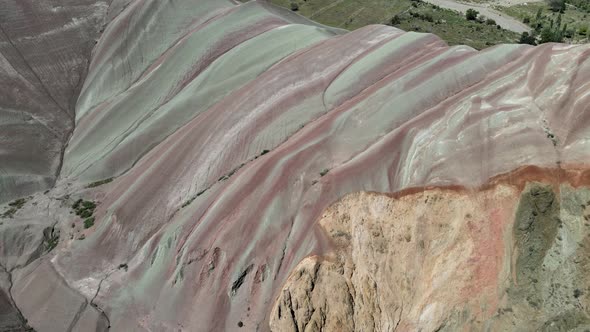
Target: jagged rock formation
(219,133)
(447,260)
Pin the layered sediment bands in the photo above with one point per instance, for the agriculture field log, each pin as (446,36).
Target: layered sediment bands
(228,143)
(225,130)
(498,259)
(44,53)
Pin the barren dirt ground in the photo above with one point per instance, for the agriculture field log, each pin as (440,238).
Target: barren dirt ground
(485,9)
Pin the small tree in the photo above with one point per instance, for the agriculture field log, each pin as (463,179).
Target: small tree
(471,14)
(550,35)
(546,35)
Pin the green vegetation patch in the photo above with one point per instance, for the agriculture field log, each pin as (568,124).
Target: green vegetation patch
(85,210)
(451,26)
(89,222)
(456,29)
(570,25)
(99,183)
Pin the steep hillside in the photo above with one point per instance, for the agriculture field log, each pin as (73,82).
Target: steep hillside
(44,54)
(235,166)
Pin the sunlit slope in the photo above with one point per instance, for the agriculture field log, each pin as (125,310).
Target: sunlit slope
(229,129)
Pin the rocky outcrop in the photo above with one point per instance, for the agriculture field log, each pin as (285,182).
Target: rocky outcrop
(442,260)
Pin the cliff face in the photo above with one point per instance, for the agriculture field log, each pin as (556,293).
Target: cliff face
(214,138)
(441,260)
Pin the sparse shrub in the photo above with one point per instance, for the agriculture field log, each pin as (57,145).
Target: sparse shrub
(324,172)
(77,204)
(526,20)
(13,207)
(425,17)
(18,203)
(489,21)
(99,183)
(526,38)
(556,5)
(9,213)
(50,239)
(395,20)
(471,14)
(294,6)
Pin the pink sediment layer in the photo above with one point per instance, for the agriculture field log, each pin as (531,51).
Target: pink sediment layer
(381,109)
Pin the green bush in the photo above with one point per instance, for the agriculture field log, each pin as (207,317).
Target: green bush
(84,209)
(471,14)
(89,222)
(86,214)
(89,205)
(526,38)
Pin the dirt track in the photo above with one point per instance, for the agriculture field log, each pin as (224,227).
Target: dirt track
(505,21)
